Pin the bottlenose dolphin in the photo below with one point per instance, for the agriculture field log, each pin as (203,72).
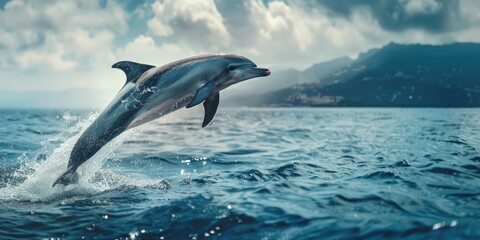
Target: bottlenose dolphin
(151,92)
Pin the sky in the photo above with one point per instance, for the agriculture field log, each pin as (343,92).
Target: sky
(55,45)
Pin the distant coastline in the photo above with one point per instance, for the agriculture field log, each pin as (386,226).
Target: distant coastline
(394,76)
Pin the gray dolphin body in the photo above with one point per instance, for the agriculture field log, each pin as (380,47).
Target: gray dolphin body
(152,92)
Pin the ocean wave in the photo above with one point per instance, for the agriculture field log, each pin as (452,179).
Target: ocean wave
(270,174)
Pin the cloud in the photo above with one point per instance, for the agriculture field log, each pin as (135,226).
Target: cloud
(55,51)
(196,23)
(281,34)
(418,7)
(143,49)
(56,45)
(59,35)
(400,15)
(267,32)
(279,21)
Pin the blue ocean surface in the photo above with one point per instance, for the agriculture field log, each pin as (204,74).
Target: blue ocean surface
(336,173)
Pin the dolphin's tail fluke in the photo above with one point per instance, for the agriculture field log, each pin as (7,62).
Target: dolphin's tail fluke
(68,177)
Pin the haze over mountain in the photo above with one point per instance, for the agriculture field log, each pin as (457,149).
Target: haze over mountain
(394,76)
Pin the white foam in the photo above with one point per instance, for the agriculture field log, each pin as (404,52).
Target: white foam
(38,183)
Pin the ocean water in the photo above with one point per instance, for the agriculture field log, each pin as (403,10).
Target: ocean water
(253,174)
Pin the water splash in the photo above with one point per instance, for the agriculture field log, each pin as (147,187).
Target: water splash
(33,180)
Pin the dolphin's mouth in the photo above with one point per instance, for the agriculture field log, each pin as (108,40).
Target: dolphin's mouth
(261,72)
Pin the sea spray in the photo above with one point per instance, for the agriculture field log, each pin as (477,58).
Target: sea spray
(39,175)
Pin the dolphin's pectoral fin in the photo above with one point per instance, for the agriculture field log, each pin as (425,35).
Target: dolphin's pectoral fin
(132,70)
(202,94)
(210,105)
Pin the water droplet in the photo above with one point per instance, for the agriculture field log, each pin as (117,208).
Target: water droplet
(133,236)
(437,226)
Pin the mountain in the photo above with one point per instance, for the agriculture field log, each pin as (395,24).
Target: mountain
(283,79)
(323,70)
(394,76)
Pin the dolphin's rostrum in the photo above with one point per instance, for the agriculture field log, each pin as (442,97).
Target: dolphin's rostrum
(151,92)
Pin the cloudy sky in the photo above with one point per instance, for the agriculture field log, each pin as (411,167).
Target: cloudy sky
(63,44)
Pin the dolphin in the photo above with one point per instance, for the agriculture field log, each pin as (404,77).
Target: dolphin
(152,92)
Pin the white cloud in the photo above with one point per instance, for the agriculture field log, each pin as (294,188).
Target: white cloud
(143,49)
(278,21)
(276,34)
(14,4)
(56,45)
(156,24)
(16,39)
(414,7)
(196,23)
(51,56)
(469,10)
(290,35)
(59,35)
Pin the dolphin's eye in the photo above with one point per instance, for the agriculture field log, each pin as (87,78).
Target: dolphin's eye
(232,67)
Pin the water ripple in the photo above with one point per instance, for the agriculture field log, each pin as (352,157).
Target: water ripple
(254,174)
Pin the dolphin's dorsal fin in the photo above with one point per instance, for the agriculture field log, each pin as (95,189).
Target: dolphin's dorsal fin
(132,70)
(202,93)
(210,105)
